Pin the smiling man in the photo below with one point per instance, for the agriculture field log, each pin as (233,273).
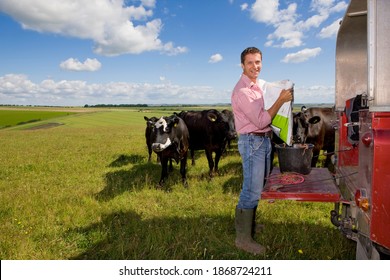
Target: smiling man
(253,125)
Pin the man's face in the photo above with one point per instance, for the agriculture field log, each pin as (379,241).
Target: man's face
(252,66)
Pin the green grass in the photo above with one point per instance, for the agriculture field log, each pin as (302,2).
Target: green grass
(84,190)
(10,118)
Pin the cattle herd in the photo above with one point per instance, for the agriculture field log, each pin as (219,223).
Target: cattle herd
(172,137)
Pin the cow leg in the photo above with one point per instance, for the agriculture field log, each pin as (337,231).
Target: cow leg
(164,171)
(158,158)
(170,165)
(209,155)
(183,170)
(193,156)
(314,160)
(328,161)
(218,155)
(150,153)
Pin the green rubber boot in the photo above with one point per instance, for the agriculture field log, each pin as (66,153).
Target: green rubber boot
(256,228)
(244,240)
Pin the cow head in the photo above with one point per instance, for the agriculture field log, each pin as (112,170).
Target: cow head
(150,121)
(301,122)
(228,115)
(223,123)
(163,133)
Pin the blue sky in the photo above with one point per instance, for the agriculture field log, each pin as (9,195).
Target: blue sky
(71,53)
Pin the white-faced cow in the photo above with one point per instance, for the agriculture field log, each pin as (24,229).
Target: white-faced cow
(209,130)
(316,126)
(150,122)
(170,140)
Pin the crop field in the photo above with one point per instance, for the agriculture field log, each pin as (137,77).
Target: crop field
(84,189)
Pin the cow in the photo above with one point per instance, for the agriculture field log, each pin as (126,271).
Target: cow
(148,134)
(316,126)
(170,140)
(209,130)
(232,127)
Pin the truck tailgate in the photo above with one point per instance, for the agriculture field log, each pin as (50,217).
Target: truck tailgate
(318,185)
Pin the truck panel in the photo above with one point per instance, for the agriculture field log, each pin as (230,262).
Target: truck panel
(380,212)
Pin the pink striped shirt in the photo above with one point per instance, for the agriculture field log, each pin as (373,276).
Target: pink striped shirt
(248,107)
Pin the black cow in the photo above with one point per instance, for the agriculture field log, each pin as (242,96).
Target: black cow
(170,139)
(316,126)
(148,134)
(209,130)
(232,126)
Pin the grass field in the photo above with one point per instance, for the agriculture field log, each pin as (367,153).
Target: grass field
(10,118)
(84,190)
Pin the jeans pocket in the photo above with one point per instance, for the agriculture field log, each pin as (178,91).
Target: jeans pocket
(256,144)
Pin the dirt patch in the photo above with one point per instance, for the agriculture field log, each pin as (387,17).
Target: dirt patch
(44,126)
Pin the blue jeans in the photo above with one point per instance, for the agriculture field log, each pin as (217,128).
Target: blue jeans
(255,153)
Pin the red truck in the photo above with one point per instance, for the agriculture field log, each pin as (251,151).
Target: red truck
(360,185)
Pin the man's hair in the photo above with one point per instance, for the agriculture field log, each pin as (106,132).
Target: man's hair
(251,50)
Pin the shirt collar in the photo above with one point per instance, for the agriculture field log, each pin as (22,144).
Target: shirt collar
(248,82)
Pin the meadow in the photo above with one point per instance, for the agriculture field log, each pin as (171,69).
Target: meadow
(85,190)
(10,118)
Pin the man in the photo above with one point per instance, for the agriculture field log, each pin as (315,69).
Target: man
(254,144)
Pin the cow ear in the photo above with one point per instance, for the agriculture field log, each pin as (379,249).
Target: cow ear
(303,108)
(314,120)
(175,121)
(212,117)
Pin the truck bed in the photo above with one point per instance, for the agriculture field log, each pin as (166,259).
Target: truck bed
(318,185)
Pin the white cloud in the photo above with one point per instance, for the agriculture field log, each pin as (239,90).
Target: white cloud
(330,30)
(265,11)
(20,90)
(244,7)
(301,56)
(283,20)
(109,23)
(315,94)
(328,6)
(73,64)
(339,7)
(216,58)
(169,49)
(149,3)
(288,31)
(313,22)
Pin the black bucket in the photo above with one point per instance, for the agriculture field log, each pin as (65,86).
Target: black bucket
(296,158)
